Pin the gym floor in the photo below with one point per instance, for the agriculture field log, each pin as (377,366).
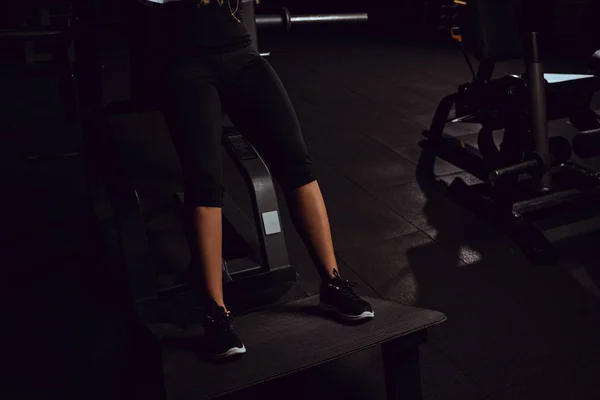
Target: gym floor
(514,330)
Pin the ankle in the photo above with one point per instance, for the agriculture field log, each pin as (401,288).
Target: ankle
(326,279)
(218,303)
(333,273)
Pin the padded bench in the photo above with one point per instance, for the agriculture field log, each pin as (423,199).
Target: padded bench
(569,93)
(295,337)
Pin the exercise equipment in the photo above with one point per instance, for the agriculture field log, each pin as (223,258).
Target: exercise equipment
(586,144)
(285,21)
(54,61)
(39,21)
(528,172)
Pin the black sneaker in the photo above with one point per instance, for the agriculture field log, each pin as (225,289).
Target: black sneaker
(338,298)
(220,339)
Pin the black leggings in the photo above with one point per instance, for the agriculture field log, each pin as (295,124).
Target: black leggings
(242,84)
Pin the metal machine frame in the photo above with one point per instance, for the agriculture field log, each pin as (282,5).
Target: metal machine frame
(530,173)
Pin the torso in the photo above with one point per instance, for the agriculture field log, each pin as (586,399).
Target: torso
(198,28)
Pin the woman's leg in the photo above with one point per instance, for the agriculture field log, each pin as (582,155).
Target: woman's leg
(209,244)
(261,110)
(308,211)
(194,116)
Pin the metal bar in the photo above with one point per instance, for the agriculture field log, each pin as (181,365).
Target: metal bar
(539,117)
(269,21)
(581,169)
(275,20)
(259,21)
(52,157)
(308,19)
(559,152)
(512,170)
(465,118)
(591,132)
(25,34)
(286,20)
(554,199)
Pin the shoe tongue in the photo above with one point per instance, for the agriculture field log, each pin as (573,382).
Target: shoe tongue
(221,312)
(337,281)
(216,309)
(221,317)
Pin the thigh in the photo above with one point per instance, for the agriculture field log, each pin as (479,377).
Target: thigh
(194,116)
(260,108)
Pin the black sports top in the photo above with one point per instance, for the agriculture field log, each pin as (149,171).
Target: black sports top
(195,28)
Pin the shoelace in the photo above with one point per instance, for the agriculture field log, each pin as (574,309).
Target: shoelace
(345,287)
(221,319)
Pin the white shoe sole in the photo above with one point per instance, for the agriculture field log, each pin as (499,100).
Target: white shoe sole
(331,309)
(234,351)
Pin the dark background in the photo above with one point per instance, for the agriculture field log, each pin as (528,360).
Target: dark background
(561,19)
(515,331)
(569,22)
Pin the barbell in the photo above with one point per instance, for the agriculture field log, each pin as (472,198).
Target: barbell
(587,144)
(26,34)
(284,20)
(560,151)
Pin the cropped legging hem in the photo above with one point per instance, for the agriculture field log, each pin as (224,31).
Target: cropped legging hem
(212,196)
(240,83)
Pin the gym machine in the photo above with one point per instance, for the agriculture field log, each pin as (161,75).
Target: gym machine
(529,173)
(285,20)
(54,61)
